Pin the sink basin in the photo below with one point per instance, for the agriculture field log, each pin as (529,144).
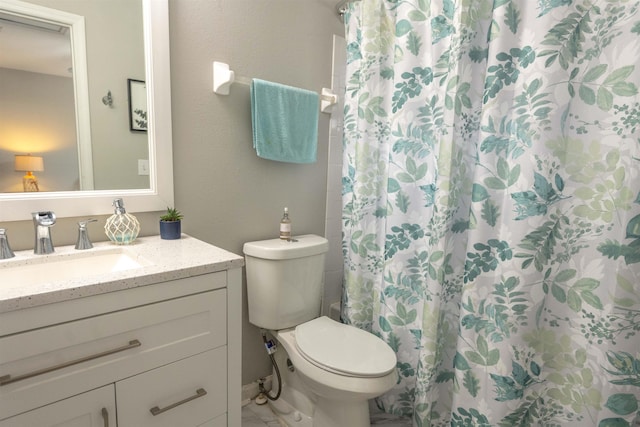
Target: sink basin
(42,269)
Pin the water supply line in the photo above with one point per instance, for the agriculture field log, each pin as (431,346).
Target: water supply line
(271,348)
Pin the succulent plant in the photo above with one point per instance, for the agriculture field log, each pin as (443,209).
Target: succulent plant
(172,214)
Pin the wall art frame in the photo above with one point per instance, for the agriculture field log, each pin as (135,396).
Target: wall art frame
(137,90)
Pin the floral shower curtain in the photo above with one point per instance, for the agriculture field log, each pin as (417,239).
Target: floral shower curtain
(491,206)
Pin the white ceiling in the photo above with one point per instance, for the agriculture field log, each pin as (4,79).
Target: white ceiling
(34,49)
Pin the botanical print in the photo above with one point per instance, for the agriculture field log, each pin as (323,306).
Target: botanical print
(491,207)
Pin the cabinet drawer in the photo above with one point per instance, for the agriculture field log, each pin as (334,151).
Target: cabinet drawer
(188,393)
(52,363)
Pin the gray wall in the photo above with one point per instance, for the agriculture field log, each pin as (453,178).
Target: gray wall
(228,194)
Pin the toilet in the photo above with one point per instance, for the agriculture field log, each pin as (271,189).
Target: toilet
(328,370)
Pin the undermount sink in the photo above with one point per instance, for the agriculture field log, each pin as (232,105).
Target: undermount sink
(42,269)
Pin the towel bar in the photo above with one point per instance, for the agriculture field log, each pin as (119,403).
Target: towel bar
(223,77)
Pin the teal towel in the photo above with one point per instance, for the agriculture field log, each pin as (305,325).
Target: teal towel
(284,121)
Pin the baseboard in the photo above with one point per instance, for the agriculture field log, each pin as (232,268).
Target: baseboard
(251,390)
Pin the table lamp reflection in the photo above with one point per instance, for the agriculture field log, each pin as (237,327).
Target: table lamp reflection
(29,164)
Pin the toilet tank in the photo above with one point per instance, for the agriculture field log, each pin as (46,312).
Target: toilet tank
(285,280)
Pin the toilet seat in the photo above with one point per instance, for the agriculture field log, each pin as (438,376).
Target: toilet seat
(343,349)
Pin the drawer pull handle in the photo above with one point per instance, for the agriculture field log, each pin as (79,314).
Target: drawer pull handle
(7,379)
(105,417)
(157,411)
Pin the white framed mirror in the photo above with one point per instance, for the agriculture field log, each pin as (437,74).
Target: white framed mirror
(159,195)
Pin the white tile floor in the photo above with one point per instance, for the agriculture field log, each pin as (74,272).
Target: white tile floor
(261,416)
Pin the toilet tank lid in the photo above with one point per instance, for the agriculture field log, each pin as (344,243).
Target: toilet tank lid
(298,247)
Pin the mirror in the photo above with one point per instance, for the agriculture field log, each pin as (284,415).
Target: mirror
(158,193)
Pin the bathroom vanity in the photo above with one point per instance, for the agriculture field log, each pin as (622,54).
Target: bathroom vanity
(155,341)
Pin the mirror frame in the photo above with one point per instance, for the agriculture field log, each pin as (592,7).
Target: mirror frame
(18,206)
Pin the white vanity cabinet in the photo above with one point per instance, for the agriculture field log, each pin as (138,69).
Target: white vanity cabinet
(164,354)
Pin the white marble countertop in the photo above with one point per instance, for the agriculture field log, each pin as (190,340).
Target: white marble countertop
(162,260)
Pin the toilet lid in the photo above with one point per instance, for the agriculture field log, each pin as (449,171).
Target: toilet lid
(344,349)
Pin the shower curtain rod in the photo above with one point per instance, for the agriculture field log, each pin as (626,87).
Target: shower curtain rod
(341,7)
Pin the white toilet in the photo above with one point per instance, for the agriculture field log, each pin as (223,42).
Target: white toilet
(329,370)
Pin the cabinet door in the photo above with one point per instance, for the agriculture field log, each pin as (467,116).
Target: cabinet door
(188,393)
(96,408)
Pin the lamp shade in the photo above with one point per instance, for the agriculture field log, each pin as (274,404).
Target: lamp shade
(29,163)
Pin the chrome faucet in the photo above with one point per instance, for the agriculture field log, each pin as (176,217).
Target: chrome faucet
(5,249)
(43,221)
(83,235)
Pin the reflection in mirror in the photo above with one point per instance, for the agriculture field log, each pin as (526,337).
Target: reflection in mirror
(126,40)
(38,92)
(42,117)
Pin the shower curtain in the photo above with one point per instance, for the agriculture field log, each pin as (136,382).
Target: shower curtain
(491,207)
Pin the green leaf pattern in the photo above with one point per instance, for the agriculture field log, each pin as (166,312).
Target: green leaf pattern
(491,207)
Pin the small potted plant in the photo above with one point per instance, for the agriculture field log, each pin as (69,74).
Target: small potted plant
(170,224)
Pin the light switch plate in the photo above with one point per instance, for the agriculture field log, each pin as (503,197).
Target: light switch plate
(143,167)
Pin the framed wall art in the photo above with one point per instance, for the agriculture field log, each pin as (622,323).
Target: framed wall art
(138,121)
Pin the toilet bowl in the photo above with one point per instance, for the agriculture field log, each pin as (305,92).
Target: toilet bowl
(342,366)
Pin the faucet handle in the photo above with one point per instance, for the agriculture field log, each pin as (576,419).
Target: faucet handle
(83,224)
(5,249)
(83,241)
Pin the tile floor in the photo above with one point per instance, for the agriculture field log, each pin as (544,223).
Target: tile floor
(261,416)
(258,416)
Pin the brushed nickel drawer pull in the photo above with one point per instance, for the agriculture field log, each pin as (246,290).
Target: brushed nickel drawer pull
(157,411)
(8,379)
(105,417)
